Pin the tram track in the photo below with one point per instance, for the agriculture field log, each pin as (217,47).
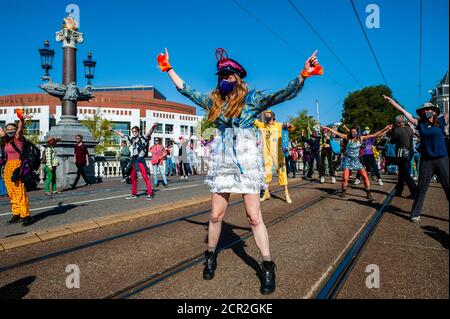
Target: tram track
(97,242)
(155,278)
(334,283)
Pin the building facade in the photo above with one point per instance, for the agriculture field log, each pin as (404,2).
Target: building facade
(125,107)
(440,95)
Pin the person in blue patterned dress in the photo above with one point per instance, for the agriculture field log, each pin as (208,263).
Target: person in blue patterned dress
(236,162)
(352,160)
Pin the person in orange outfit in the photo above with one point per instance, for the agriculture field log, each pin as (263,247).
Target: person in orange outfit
(12,143)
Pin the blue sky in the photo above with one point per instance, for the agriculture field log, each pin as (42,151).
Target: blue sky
(126,36)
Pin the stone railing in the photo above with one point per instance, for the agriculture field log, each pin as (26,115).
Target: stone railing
(109,167)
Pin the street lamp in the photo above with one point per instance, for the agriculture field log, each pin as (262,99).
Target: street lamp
(69,95)
(47,55)
(89,68)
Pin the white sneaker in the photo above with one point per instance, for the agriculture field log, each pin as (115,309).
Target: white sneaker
(415,219)
(415,178)
(356,182)
(380,182)
(322,179)
(333,180)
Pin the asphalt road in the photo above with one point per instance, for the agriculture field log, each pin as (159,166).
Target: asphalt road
(305,247)
(98,200)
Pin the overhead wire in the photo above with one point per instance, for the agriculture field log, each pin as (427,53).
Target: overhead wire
(281,38)
(325,43)
(368,42)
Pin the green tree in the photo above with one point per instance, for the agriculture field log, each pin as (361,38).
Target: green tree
(100,129)
(367,107)
(205,129)
(301,122)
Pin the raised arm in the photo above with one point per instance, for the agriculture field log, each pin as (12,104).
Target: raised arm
(335,132)
(378,133)
(401,110)
(345,128)
(176,79)
(265,101)
(202,100)
(120,134)
(290,127)
(152,129)
(21,125)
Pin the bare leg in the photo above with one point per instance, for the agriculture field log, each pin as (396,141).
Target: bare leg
(219,207)
(252,207)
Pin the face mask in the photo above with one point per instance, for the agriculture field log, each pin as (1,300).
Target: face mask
(226,87)
(135,134)
(354,135)
(11,134)
(429,114)
(268,119)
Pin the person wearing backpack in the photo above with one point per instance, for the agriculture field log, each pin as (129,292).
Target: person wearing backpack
(433,149)
(12,143)
(50,162)
(139,149)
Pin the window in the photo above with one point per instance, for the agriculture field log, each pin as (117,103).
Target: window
(143,126)
(169,129)
(32,128)
(123,127)
(184,130)
(192,130)
(159,129)
(2,124)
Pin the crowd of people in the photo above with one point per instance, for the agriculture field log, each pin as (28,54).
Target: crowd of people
(248,147)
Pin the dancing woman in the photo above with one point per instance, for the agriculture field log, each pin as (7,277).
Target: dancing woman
(352,161)
(236,164)
(433,150)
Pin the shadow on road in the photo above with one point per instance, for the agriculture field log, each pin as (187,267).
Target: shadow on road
(437,234)
(61,209)
(397,211)
(228,235)
(17,289)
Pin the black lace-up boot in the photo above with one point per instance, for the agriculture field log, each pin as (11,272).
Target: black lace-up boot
(210,265)
(369,194)
(268,277)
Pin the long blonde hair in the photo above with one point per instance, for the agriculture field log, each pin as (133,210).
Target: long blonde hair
(235,101)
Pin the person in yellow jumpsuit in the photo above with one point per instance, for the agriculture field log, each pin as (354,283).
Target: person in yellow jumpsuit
(273,154)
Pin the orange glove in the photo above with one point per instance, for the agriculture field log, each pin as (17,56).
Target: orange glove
(318,70)
(19,113)
(164,65)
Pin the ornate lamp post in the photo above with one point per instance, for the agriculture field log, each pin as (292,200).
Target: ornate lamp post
(89,68)
(69,94)
(47,55)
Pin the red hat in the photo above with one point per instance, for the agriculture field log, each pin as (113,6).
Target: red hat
(227,66)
